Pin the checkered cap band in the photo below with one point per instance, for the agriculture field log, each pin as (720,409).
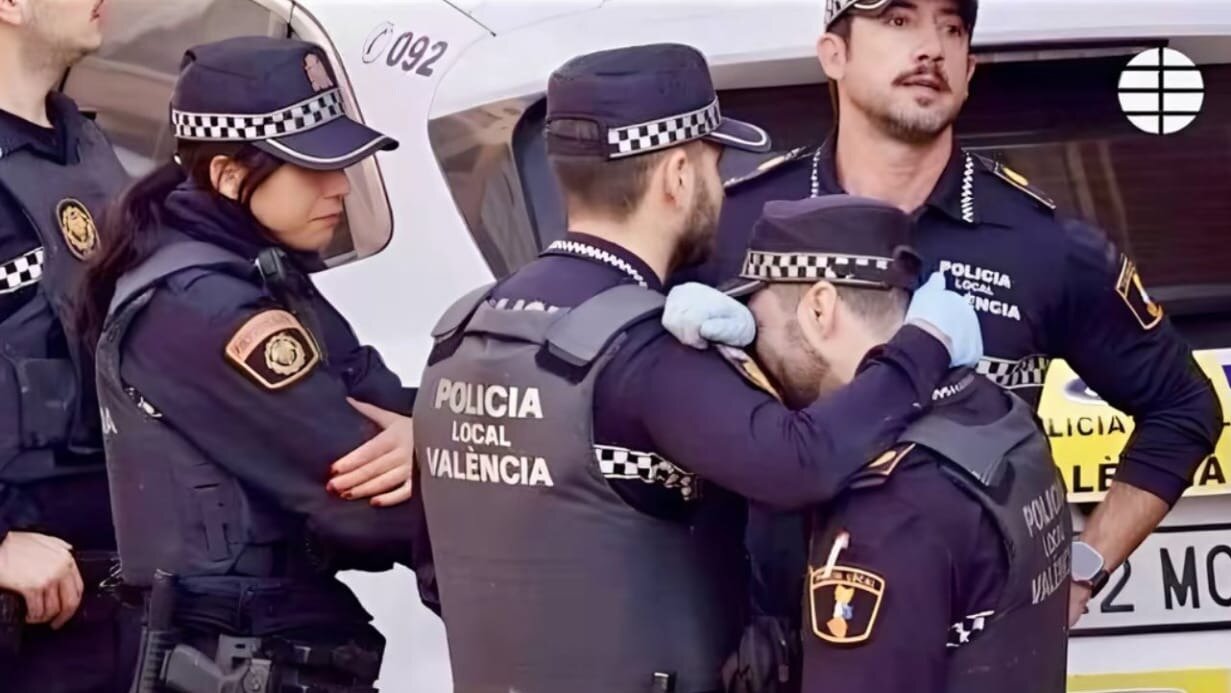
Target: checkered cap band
(833,8)
(811,267)
(660,134)
(22,271)
(621,463)
(1011,375)
(218,127)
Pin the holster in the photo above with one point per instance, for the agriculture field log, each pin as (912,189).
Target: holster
(12,621)
(272,665)
(767,661)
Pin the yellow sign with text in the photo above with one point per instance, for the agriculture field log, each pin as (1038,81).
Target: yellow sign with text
(1087,434)
(1190,681)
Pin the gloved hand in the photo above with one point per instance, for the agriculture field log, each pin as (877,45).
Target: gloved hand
(697,314)
(767,660)
(949,317)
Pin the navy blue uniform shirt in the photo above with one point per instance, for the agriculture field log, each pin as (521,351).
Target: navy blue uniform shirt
(1044,287)
(694,410)
(74,508)
(940,555)
(281,442)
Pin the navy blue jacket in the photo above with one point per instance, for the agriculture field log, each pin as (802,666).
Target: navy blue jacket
(74,508)
(1044,288)
(281,442)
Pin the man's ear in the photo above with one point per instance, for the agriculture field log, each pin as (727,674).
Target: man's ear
(817,314)
(972,61)
(13,12)
(831,52)
(678,176)
(226,175)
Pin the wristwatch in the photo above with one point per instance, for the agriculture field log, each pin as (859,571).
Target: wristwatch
(1089,568)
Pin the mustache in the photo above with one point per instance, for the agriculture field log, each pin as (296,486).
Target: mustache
(929,70)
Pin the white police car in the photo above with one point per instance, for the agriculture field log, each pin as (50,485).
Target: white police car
(468,197)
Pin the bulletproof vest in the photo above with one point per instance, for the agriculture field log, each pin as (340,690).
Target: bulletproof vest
(1006,465)
(62,204)
(175,509)
(549,582)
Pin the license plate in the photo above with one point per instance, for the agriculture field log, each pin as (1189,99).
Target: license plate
(1190,681)
(1178,579)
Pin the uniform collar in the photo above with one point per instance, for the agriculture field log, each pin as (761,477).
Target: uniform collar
(603,252)
(58,143)
(953,196)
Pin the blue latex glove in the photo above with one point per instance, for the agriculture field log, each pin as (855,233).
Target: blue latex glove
(697,314)
(938,310)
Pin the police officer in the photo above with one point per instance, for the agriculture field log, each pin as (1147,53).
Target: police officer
(941,567)
(574,454)
(1045,287)
(224,377)
(57,171)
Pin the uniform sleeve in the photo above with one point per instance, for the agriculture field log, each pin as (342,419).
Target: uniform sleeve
(701,415)
(279,441)
(903,648)
(1120,343)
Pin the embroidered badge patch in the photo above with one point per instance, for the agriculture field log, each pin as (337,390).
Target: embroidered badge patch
(273,349)
(747,368)
(844,603)
(1129,286)
(80,233)
(318,75)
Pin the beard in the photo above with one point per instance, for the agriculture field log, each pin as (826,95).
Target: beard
(55,46)
(800,373)
(700,232)
(908,122)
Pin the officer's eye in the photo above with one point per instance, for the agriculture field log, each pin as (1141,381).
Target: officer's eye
(898,21)
(955,30)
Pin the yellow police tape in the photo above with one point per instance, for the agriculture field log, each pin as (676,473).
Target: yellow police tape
(1189,681)
(1087,434)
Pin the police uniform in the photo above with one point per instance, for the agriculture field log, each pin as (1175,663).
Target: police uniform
(943,565)
(219,354)
(53,184)
(1044,287)
(574,454)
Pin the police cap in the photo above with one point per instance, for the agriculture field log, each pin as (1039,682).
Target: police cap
(968,9)
(280,95)
(640,99)
(842,239)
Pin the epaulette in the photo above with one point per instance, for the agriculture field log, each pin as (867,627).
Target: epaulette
(1015,179)
(768,165)
(747,368)
(880,469)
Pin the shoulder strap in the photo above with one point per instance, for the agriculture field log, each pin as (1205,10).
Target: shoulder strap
(1016,180)
(769,164)
(980,451)
(582,334)
(460,312)
(166,261)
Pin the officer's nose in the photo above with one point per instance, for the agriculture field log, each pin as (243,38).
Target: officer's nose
(929,47)
(334,184)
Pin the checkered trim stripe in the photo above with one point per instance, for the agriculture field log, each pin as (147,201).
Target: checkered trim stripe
(218,127)
(660,134)
(850,269)
(962,632)
(22,271)
(586,250)
(1027,372)
(523,305)
(622,463)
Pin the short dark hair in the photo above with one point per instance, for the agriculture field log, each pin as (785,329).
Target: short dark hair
(615,186)
(877,306)
(841,27)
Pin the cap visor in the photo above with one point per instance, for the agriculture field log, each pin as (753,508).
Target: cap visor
(741,287)
(740,135)
(335,145)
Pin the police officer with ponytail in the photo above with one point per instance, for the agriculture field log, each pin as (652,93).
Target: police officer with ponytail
(229,386)
(60,632)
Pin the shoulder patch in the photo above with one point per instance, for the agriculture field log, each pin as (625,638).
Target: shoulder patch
(747,368)
(844,602)
(273,350)
(880,469)
(769,165)
(1016,180)
(77,225)
(1131,290)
